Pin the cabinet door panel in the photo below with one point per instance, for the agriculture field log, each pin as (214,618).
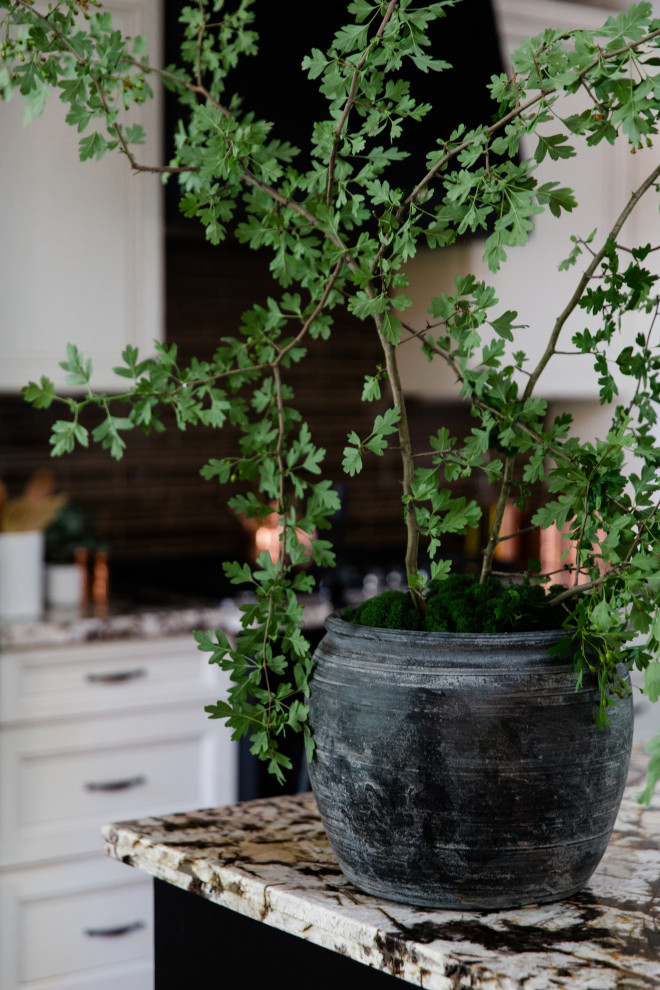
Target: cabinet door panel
(48,913)
(62,780)
(91,232)
(104,677)
(65,786)
(84,930)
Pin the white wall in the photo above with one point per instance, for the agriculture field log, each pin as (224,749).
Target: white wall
(529,282)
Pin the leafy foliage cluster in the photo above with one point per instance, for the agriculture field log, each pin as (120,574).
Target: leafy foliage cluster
(339,232)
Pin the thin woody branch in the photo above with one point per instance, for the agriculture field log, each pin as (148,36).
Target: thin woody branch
(351,99)
(588,274)
(408,464)
(493,539)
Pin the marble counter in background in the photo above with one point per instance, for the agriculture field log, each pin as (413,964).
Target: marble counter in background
(65,627)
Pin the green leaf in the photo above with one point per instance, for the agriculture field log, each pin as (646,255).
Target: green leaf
(40,396)
(310,745)
(92,146)
(221,709)
(601,615)
(553,145)
(238,573)
(297,715)
(30,78)
(371,389)
(652,681)
(65,435)
(314,65)
(78,117)
(79,370)
(631,23)
(652,772)
(556,197)
(504,324)
(135,134)
(388,422)
(220,469)
(440,569)
(107,434)
(134,368)
(352,461)
(220,648)
(351,37)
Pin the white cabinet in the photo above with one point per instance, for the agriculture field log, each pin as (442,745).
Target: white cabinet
(93,733)
(81,246)
(76,925)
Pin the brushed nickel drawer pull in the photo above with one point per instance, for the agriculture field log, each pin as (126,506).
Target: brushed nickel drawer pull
(116,785)
(134,926)
(118,677)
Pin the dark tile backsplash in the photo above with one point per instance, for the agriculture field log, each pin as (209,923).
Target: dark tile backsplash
(153,505)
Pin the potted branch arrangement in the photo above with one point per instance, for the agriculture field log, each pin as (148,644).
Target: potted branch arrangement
(468,739)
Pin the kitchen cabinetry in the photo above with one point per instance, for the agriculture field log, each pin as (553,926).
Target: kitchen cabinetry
(94,732)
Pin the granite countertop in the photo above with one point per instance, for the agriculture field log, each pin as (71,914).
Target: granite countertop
(270,860)
(122,621)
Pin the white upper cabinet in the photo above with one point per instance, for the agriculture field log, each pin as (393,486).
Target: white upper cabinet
(81,245)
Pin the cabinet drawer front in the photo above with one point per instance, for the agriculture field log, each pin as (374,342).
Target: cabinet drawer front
(137,975)
(109,781)
(63,780)
(84,930)
(99,677)
(75,922)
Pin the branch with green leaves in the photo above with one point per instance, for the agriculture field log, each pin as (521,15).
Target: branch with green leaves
(341,232)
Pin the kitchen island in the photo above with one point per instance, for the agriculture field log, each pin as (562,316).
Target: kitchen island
(251,895)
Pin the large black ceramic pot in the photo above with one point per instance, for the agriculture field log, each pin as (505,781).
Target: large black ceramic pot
(462,770)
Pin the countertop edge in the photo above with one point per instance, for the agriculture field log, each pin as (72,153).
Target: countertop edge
(280,909)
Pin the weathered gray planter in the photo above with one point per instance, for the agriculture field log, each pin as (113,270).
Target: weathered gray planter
(462,770)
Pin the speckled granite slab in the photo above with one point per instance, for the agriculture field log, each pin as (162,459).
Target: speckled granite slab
(270,860)
(64,627)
